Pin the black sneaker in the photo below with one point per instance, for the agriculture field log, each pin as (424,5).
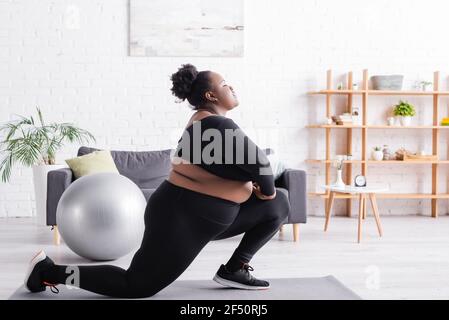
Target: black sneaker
(33,281)
(240,279)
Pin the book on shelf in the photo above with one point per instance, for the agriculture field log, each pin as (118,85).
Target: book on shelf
(344,123)
(343,119)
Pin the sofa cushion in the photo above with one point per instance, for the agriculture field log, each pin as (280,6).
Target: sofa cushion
(283,190)
(147,169)
(95,162)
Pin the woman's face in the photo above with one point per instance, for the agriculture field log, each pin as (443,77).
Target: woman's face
(222,92)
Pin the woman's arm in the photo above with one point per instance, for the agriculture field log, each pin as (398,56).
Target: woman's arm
(248,157)
(258,193)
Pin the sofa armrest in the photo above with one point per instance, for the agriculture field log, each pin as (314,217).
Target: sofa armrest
(57,182)
(295,181)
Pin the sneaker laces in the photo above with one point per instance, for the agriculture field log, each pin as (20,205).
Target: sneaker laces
(52,286)
(247,267)
(251,278)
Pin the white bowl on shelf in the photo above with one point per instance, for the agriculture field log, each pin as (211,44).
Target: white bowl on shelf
(387,82)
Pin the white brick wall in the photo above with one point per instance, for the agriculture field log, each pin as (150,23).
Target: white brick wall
(85,76)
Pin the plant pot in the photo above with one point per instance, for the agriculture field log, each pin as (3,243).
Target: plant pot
(391,121)
(427,87)
(339,182)
(406,121)
(40,190)
(377,155)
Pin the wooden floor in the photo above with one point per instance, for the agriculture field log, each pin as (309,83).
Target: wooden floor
(411,261)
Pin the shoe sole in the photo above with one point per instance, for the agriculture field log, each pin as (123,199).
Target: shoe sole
(237,285)
(35,260)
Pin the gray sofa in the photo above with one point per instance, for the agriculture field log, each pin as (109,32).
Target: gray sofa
(148,169)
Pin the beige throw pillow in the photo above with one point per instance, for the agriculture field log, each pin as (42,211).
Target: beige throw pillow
(95,162)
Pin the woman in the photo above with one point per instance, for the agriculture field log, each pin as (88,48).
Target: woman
(199,202)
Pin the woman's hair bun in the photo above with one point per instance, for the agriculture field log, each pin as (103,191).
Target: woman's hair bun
(183,80)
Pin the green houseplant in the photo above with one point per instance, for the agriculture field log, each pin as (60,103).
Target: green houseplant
(377,154)
(405,111)
(426,85)
(33,143)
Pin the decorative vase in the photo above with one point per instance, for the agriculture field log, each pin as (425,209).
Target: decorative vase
(377,155)
(40,190)
(391,121)
(406,121)
(339,182)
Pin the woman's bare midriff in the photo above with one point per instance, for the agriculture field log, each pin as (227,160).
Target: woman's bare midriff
(193,177)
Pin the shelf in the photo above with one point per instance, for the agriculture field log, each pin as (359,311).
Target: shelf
(337,92)
(366,129)
(386,196)
(407,93)
(333,126)
(380,92)
(355,126)
(316,161)
(407,162)
(404,127)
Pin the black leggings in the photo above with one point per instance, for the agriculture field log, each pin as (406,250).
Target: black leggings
(178,224)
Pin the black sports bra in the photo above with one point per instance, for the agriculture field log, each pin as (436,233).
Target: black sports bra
(218,145)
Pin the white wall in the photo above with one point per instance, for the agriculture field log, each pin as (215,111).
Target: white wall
(85,76)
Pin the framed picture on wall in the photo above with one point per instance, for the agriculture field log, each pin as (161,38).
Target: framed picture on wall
(202,28)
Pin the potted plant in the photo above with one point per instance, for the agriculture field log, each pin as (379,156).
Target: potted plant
(377,154)
(35,144)
(405,111)
(426,85)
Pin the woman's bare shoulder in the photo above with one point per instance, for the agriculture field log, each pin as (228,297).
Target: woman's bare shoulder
(198,115)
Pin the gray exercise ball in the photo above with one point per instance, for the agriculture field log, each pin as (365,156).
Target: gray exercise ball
(101,216)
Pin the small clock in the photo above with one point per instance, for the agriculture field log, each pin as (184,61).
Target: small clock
(360,181)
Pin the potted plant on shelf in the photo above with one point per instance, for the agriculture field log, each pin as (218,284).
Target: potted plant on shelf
(405,111)
(426,85)
(377,154)
(35,144)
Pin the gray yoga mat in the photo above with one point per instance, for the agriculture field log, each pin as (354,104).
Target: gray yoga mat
(323,288)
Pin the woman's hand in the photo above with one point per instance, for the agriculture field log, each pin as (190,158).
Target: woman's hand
(260,195)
